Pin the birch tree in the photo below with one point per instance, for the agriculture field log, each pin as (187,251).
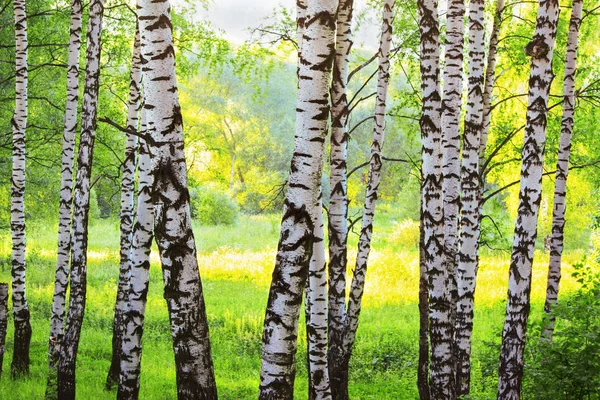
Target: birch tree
(61,280)
(316,312)
(127,210)
(541,50)
(172,222)
(366,231)
(280,334)
(338,198)
(562,168)
(78,276)
(22,338)
(451,112)
(139,274)
(469,233)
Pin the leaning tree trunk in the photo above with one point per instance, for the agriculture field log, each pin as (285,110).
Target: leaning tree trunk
(442,361)
(297,227)
(541,50)
(338,198)
(173,225)
(20,363)
(127,210)
(61,280)
(372,190)
(70,342)
(316,313)
(130,356)
(3,320)
(431,175)
(469,230)
(562,168)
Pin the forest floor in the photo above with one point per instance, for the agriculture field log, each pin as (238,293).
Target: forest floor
(236,263)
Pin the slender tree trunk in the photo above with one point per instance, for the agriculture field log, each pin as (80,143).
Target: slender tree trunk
(70,342)
(443,364)
(317,21)
(423,367)
(490,80)
(366,231)
(541,50)
(431,189)
(338,200)
(130,356)
(20,363)
(316,313)
(466,272)
(127,211)
(3,320)
(61,280)
(173,224)
(562,169)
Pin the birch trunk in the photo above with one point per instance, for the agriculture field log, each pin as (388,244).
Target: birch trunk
(366,231)
(466,272)
(432,217)
(22,339)
(316,315)
(540,49)
(451,112)
(70,342)
(173,225)
(127,210)
(3,320)
(338,199)
(562,168)
(317,28)
(61,280)
(139,274)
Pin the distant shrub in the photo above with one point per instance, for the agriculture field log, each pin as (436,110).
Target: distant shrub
(405,233)
(212,207)
(568,367)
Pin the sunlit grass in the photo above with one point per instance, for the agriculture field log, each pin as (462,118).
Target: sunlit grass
(236,264)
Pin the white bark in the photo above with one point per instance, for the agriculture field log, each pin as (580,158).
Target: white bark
(338,199)
(22,335)
(562,168)
(366,231)
(466,272)
(541,50)
(172,225)
(316,313)
(297,227)
(78,277)
(61,280)
(127,209)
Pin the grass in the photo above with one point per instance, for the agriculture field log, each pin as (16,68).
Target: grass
(236,264)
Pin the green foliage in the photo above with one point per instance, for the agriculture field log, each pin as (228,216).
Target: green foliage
(212,207)
(568,367)
(406,234)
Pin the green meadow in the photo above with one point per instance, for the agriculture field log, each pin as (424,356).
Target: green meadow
(236,264)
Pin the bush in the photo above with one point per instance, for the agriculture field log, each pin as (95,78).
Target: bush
(212,207)
(405,233)
(568,367)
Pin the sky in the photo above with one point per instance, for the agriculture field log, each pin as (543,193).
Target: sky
(235,17)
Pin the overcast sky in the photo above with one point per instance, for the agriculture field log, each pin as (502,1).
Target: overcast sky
(236,16)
